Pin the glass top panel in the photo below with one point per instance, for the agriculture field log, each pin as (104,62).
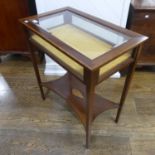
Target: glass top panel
(87,37)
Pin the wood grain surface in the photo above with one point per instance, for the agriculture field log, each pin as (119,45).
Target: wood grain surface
(29,125)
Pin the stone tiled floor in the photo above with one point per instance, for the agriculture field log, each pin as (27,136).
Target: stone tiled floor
(31,126)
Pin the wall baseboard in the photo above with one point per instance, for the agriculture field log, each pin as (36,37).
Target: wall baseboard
(54,69)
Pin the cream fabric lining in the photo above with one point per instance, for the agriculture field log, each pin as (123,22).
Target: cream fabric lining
(77,68)
(83,42)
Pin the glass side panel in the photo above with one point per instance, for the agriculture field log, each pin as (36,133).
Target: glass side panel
(87,37)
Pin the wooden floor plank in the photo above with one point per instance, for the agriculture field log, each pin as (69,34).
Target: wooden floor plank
(29,125)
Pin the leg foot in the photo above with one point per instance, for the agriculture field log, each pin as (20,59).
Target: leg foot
(87,137)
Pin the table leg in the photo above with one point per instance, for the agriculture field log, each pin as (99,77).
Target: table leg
(36,70)
(90,99)
(91,79)
(128,82)
(125,92)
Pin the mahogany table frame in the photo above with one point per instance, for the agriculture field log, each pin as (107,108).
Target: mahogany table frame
(90,104)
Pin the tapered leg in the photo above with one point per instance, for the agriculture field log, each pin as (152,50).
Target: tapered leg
(127,83)
(125,92)
(36,71)
(90,101)
(90,78)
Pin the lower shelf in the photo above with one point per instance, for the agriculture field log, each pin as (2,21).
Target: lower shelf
(63,88)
